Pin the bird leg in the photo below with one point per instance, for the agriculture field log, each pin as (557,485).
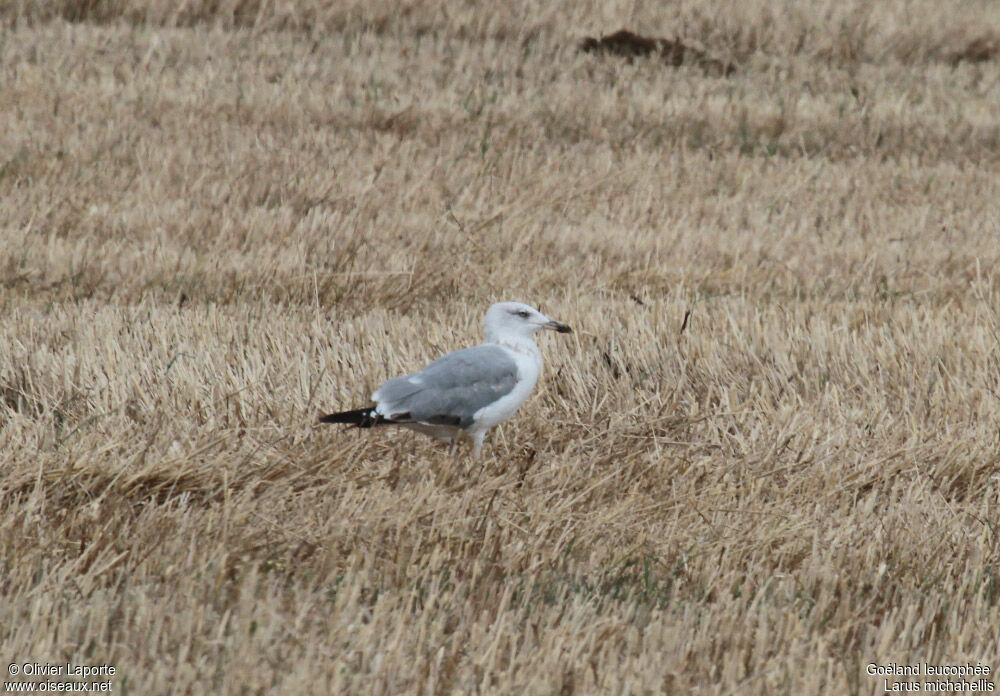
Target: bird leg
(478,449)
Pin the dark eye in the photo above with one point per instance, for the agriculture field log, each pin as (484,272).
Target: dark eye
(523,314)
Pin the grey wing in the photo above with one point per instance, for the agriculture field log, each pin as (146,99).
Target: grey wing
(451,389)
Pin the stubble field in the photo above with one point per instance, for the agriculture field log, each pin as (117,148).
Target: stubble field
(768,457)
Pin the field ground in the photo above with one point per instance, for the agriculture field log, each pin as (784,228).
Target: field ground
(218,220)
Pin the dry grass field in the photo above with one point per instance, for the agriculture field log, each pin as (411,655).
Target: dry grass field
(220,218)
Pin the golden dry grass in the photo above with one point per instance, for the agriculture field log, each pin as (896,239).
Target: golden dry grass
(219,219)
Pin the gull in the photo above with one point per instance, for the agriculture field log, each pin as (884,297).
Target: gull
(468,391)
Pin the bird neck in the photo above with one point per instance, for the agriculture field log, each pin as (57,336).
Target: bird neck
(520,344)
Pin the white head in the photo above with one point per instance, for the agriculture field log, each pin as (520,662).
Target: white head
(506,320)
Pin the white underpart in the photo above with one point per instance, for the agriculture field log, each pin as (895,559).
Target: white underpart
(529,365)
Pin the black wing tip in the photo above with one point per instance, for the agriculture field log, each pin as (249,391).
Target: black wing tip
(361,417)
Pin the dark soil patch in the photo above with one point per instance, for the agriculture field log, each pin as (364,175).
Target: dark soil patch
(980,50)
(626,44)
